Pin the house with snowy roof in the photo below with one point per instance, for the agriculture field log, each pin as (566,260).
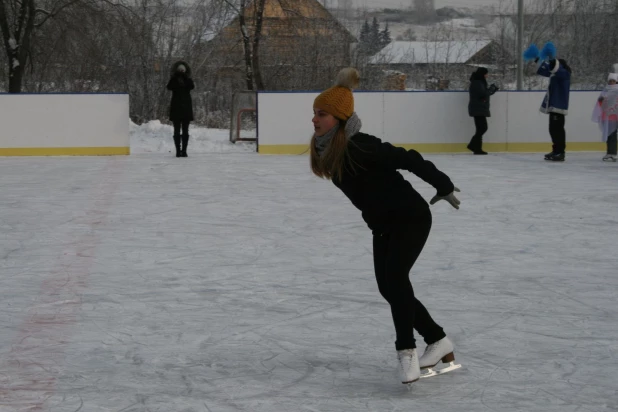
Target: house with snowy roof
(397,54)
(439,59)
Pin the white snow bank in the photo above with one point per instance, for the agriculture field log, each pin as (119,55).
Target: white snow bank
(155,137)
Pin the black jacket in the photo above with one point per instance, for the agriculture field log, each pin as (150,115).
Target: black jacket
(181,107)
(378,190)
(479,96)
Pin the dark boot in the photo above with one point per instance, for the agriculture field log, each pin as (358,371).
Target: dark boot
(177,144)
(556,157)
(185,142)
(475,145)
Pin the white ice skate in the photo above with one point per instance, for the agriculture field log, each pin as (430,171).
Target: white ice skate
(441,350)
(410,371)
(610,158)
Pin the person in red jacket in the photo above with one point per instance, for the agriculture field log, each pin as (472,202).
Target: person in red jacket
(365,169)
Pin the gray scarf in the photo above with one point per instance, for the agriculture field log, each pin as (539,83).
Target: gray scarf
(352,126)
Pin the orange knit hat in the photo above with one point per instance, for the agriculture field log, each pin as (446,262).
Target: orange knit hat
(338,100)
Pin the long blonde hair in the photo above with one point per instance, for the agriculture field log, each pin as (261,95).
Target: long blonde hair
(335,158)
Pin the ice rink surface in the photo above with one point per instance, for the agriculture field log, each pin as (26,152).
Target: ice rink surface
(240,282)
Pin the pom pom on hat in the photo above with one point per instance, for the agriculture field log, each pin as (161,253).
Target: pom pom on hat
(548,52)
(338,100)
(348,77)
(531,53)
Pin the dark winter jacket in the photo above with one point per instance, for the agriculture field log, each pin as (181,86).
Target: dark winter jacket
(376,187)
(479,96)
(557,98)
(181,84)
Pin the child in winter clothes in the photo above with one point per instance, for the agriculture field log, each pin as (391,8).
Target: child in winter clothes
(556,104)
(366,170)
(478,107)
(606,115)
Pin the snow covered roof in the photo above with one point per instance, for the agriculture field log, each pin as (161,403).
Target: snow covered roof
(428,52)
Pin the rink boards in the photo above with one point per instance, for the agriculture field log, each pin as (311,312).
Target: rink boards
(64,124)
(431,122)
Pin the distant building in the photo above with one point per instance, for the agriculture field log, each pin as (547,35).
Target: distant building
(441,60)
(302,46)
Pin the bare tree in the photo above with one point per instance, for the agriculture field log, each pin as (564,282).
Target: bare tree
(17,24)
(19,19)
(251,42)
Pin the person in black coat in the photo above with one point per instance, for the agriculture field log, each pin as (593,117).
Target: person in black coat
(479,107)
(181,107)
(366,170)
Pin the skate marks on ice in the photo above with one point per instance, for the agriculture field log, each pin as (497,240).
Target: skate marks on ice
(30,365)
(248,286)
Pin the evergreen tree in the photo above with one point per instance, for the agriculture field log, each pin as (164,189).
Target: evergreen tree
(374,36)
(385,37)
(364,34)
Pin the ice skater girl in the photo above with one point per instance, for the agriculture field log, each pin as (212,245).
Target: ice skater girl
(605,113)
(366,170)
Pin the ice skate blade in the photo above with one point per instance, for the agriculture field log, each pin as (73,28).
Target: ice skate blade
(429,372)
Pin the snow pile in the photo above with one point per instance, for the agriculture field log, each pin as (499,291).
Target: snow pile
(155,137)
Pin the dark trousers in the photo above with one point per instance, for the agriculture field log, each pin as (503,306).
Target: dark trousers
(394,255)
(612,143)
(557,132)
(480,122)
(184,124)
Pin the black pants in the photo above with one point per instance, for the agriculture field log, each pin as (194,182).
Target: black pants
(480,122)
(557,132)
(184,124)
(612,143)
(394,255)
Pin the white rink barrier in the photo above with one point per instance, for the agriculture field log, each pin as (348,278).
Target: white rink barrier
(431,122)
(64,124)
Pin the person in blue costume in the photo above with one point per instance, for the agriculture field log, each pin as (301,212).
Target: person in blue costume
(556,104)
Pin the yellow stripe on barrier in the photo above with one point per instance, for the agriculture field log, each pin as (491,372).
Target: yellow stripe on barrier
(64,151)
(299,149)
(284,149)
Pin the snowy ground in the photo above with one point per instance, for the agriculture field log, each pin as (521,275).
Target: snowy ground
(155,137)
(239,282)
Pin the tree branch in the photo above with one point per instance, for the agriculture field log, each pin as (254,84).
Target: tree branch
(232,6)
(55,13)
